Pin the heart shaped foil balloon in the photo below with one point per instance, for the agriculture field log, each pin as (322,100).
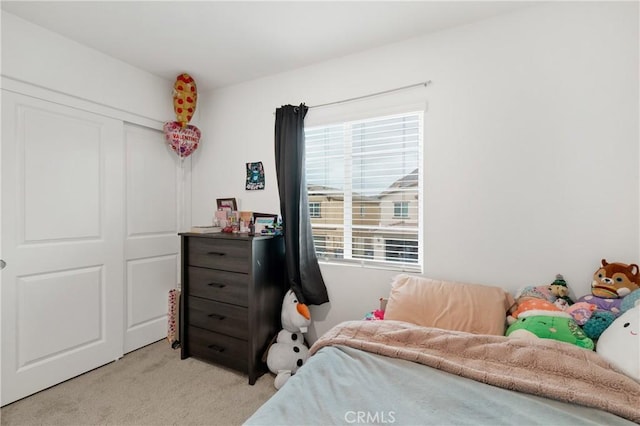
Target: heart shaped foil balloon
(185,95)
(183,140)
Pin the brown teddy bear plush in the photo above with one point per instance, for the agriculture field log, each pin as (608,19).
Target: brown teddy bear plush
(615,280)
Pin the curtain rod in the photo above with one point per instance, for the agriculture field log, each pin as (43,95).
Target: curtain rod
(424,83)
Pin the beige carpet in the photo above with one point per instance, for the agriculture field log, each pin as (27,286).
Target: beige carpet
(150,386)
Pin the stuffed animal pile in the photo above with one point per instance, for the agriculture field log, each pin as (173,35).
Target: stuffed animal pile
(538,315)
(289,352)
(548,311)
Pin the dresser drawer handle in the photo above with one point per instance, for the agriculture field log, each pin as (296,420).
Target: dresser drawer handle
(216,253)
(217,285)
(220,317)
(216,348)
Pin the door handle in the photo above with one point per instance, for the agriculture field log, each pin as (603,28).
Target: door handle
(2,264)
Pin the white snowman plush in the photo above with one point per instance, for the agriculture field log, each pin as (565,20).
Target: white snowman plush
(289,352)
(286,355)
(620,343)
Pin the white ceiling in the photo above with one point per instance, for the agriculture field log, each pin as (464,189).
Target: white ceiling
(223,43)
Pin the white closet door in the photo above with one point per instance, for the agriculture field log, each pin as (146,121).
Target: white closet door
(154,182)
(62,227)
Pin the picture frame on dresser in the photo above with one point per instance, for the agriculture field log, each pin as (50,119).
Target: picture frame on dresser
(227,204)
(263,220)
(265,215)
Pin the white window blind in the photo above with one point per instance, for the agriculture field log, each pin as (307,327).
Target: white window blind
(361,175)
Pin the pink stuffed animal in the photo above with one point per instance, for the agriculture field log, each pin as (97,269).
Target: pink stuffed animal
(581,311)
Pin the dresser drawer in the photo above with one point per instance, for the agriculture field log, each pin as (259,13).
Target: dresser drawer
(223,286)
(228,255)
(218,348)
(219,317)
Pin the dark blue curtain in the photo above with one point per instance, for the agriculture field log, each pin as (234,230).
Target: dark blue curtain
(303,272)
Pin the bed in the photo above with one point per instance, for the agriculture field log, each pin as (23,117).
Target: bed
(402,371)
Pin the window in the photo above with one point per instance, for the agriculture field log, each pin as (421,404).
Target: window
(401,250)
(401,209)
(367,174)
(314,209)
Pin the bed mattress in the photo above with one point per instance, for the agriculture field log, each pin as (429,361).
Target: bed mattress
(342,385)
(384,372)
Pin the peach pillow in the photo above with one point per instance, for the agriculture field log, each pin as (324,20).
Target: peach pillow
(473,308)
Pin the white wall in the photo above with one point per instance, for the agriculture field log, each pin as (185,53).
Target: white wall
(37,56)
(531,147)
(36,60)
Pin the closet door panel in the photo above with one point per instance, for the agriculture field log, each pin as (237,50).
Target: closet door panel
(62,204)
(153,187)
(61,179)
(42,338)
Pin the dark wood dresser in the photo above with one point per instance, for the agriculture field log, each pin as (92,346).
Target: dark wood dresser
(232,291)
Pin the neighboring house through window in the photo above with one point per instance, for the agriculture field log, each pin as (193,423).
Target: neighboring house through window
(366,175)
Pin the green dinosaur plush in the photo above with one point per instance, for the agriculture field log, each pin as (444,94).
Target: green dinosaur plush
(558,326)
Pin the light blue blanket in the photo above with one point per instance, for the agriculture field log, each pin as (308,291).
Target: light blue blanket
(345,386)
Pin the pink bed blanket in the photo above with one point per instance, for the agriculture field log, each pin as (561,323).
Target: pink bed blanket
(541,367)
